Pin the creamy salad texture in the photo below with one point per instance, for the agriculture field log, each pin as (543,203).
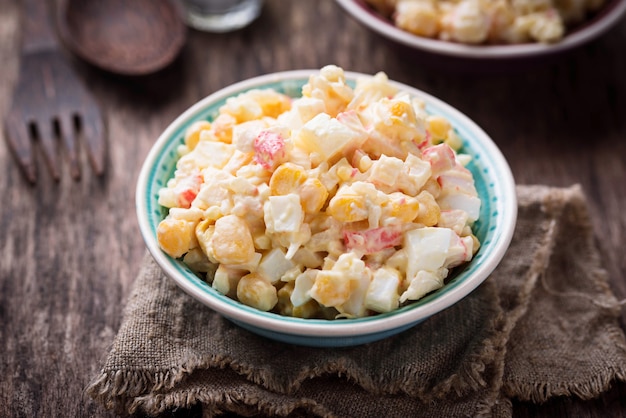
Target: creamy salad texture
(487,21)
(344,202)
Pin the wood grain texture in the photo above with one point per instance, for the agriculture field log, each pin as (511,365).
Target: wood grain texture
(69,252)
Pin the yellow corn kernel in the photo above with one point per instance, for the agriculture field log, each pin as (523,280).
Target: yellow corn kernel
(362,161)
(262,241)
(401,206)
(253,290)
(226,279)
(313,195)
(176,236)
(204,232)
(232,241)
(402,118)
(438,126)
(274,104)
(429,210)
(197,260)
(287,178)
(476,244)
(344,172)
(212,214)
(453,140)
(400,109)
(348,208)
(191,214)
(310,309)
(192,134)
(284,306)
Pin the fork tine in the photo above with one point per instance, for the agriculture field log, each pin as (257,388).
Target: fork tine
(19,141)
(94,138)
(46,137)
(67,133)
(47,88)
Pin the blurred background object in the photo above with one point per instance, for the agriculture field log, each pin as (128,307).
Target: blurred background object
(221,15)
(131,38)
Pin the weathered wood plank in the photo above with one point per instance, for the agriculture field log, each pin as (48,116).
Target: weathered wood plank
(69,251)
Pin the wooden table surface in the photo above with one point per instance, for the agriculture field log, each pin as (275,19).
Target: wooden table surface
(70,251)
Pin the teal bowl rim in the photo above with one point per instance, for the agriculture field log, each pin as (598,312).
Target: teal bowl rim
(494,182)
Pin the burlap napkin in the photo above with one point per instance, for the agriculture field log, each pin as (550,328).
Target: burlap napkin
(544,324)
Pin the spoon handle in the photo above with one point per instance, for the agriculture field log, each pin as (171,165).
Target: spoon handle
(37,30)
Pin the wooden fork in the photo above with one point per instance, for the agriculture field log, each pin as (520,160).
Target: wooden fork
(50,104)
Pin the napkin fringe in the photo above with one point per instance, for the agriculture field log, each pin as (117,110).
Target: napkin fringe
(109,391)
(542,392)
(126,391)
(484,410)
(114,388)
(472,377)
(215,403)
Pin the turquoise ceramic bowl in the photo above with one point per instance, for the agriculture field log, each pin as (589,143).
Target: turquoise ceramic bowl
(494,183)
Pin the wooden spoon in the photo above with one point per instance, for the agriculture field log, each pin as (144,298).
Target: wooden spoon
(129,37)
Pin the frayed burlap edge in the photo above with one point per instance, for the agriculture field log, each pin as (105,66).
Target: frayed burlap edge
(215,403)
(126,391)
